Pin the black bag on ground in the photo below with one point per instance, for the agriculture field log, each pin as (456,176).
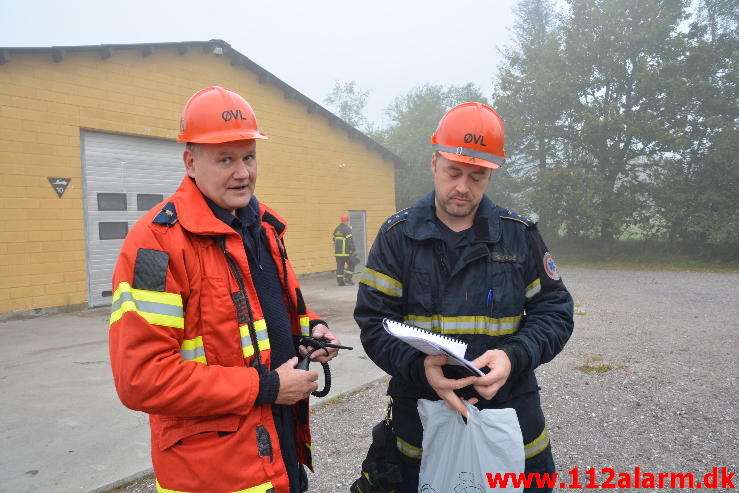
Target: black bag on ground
(381,468)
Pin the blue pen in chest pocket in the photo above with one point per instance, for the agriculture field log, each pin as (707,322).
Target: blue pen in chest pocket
(489,303)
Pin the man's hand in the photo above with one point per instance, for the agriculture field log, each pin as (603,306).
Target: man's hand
(294,384)
(445,387)
(500,369)
(321,330)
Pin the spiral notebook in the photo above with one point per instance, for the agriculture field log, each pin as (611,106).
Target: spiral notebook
(431,343)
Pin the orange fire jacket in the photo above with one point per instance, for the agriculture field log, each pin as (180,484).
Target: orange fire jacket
(184,325)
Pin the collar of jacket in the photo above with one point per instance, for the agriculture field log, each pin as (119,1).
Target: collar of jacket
(421,224)
(195,216)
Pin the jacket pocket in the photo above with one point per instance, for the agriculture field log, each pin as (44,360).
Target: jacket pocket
(170,430)
(220,327)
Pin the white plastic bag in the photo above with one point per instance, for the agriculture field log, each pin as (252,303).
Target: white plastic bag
(457,455)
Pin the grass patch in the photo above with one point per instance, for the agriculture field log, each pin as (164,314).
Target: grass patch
(595,364)
(644,255)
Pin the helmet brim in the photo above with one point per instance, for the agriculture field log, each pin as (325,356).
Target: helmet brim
(222,137)
(474,161)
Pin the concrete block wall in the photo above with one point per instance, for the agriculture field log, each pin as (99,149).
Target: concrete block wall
(309,171)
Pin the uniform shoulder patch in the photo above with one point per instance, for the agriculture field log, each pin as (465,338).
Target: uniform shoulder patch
(167,216)
(395,219)
(512,216)
(150,270)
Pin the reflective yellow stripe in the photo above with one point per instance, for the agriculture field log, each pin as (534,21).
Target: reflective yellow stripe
(262,488)
(530,449)
(533,289)
(260,327)
(155,307)
(538,445)
(305,326)
(193,350)
(407,449)
(474,324)
(309,454)
(382,282)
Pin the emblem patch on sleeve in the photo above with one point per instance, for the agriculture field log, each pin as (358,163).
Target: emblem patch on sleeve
(549,267)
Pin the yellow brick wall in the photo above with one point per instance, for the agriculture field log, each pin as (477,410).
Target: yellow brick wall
(43,106)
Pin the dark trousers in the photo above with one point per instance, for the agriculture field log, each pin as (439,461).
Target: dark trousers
(541,463)
(343,271)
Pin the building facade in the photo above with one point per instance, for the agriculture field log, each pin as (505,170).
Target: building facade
(88,145)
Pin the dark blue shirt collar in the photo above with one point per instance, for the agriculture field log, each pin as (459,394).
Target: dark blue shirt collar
(246,217)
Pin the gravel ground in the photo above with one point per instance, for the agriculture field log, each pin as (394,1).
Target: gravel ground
(649,379)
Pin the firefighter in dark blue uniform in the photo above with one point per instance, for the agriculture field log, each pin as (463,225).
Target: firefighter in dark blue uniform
(457,264)
(344,252)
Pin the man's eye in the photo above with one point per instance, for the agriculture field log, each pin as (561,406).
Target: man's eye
(476,177)
(225,160)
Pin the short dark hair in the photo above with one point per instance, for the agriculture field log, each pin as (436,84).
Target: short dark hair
(192,147)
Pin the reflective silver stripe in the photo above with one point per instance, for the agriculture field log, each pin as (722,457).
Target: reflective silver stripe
(407,449)
(156,307)
(260,328)
(382,282)
(193,350)
(533,289)
(464,151)
(147,306)
(476,324)
(538,445)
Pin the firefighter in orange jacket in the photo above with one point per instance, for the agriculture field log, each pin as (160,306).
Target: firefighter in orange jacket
(205,305)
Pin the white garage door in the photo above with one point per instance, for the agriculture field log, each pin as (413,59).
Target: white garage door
(124,177)
(358,222)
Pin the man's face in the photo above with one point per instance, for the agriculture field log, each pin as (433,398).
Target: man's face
(225,173)
(459,187)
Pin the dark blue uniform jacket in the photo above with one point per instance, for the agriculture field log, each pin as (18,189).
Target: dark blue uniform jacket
(503,292)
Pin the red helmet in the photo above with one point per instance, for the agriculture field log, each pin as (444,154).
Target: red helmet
(471,133)
(214,115)
(344,218)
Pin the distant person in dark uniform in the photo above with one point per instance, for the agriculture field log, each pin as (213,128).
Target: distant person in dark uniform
(344,252)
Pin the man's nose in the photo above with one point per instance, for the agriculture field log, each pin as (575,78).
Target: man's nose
(462,186)
(241,172)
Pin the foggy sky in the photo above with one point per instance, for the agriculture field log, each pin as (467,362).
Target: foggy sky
(387,47)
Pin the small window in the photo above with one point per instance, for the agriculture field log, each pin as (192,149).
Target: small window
(145,201)
(111,201)
(113,231)
(107,294)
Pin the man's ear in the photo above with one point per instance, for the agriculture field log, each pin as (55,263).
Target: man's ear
(188,157)
(433,163)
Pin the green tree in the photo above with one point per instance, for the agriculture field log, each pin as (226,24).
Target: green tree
(348,101)
(697,191)
(622,62)
(531,96)
(413,118)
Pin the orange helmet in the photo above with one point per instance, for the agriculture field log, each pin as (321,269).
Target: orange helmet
(344,218)
(471,133)
(214,115)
